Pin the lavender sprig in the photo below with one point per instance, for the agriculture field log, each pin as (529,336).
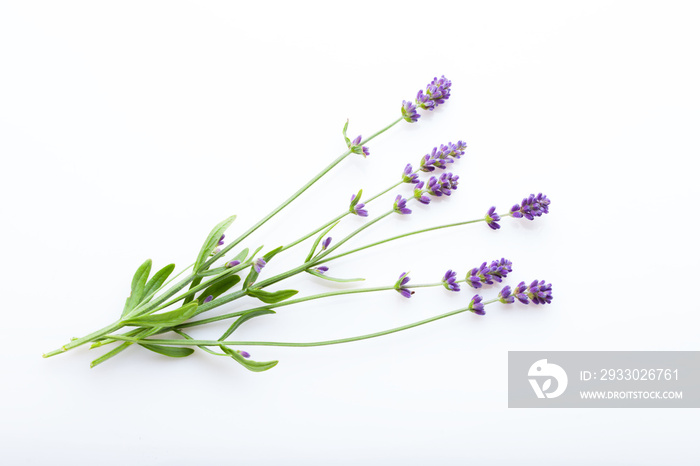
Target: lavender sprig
(150,315)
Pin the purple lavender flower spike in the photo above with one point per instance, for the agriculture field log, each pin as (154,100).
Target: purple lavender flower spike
(505,295)
(439,158)
(245,354)
(531,207)
(400,285)
(419,194)
(208,299)
(321,269)
(356,207)
(232,264)
(495,272)
(400,206)
(449,281)
(326,242)
(436,93)
(476,305)
(409,111)
(259,264)
(409,176)
(492,219)
(539,292)
(221,240)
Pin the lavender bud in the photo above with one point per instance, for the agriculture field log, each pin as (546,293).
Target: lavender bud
(221,240)
(476,306)
(325,243)
(232,264)
(357,148)
(409,176)
(539,292)
(208,299)
(400,285)
(419,194)
(492,219)
(409,112)
(449,281)
(356,207)
(259,264)
(400,206)
(321,269)
(245,354)
(505,295)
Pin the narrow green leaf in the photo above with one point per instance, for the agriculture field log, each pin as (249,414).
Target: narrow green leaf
(271,297)
(138,283)
(172,351)
(211,242)
(355,200)
(333,279)
(254,366)
(250,279)
(268,256)
(210,272)
(245,317)
(255,253)
(318,240)
(220,287)
(166,319)
(345,133)
(157,281)
(241,255)
(110,354)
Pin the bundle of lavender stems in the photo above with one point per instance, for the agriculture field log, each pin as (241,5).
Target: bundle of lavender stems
(161,304)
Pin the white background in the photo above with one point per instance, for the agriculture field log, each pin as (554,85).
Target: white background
(128,129)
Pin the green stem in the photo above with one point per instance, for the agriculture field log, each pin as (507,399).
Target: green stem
(86,339)
(285,303)
(308,344)
(318,258)
(293,197)
(424,230)
(339,217)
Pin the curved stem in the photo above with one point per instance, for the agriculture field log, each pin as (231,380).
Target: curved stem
(339,217)
(308,344)
(405,235)
(293,197)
